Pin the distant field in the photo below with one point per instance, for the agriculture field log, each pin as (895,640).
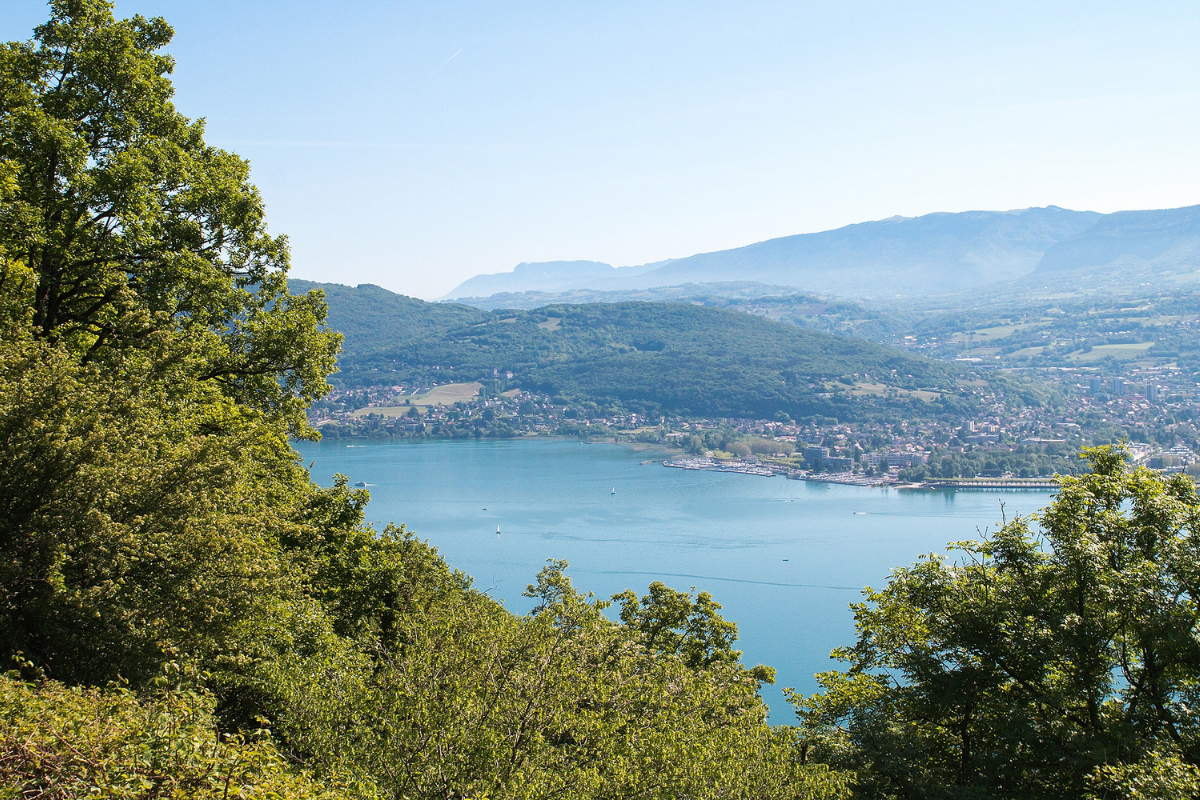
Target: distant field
(860,389)
(447,394)
(444,395)
(998,332)
(1123,352)
(385,411)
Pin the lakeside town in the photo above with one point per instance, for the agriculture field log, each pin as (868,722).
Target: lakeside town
(1009,445)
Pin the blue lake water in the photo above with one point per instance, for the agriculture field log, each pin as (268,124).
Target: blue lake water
(784,558)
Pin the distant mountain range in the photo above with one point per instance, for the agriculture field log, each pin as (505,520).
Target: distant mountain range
(1164,241)
(903,256)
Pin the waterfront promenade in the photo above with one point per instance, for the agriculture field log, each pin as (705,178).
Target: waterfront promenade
(853,479)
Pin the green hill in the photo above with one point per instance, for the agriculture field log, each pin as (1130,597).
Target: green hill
(670,357)
(370,316)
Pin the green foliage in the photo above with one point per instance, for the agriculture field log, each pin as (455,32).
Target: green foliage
(136,517)
(461,698)
(1037,659)
(674,622)
(60,742)
(373,319)
(127,237)
(1158,776)
(769,446)
(1025,461)
(646,357)
(152,364)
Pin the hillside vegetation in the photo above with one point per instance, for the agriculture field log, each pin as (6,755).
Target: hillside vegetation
(370,318)
(643,356)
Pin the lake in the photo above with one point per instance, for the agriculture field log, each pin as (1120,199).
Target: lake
(784,557)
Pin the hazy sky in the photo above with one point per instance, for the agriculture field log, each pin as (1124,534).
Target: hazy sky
(414,145)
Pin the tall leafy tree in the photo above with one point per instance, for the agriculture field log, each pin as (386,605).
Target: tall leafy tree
(152,363)
(1054,647)
(124,230)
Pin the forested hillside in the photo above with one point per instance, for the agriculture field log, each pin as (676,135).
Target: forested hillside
(371,319)
(672,357)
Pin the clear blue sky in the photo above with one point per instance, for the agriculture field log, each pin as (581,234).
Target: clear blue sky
(414,145)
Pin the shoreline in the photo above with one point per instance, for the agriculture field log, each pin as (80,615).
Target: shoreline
(706,464)
(670,457)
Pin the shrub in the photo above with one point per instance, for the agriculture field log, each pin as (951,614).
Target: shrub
(59,742)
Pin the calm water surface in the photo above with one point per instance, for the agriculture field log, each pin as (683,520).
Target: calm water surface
(784,558)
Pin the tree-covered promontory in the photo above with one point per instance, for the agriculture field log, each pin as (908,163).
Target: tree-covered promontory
(644,357)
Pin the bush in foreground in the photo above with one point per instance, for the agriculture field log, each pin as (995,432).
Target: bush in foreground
(73,742)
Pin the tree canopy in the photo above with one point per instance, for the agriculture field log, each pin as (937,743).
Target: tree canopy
(152,362)
(123,231)
(1058,651)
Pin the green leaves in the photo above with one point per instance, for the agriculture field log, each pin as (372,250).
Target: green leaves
(464,699)
(126,526)
(61,742)
(677,623)
(1041,654)
(1157,776)
(152,364)
(129,233)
